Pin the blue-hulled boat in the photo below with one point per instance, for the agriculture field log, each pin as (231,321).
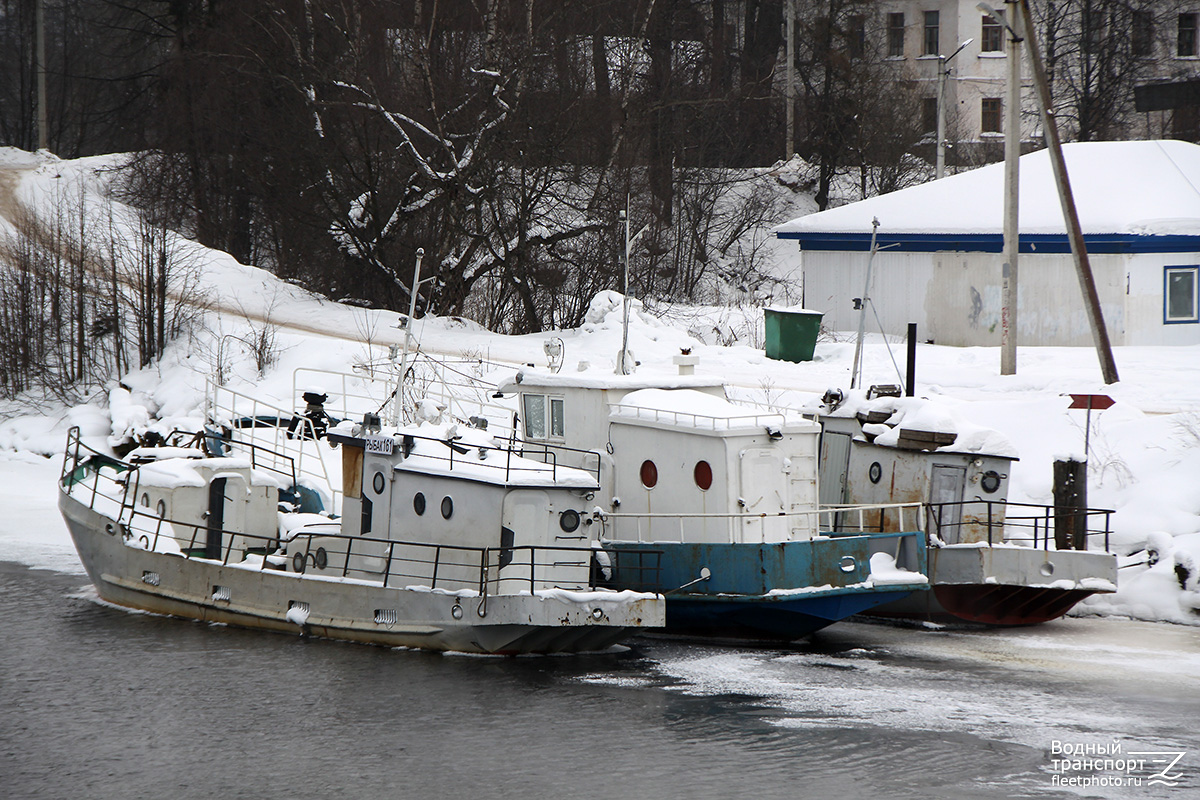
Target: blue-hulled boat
(716,505)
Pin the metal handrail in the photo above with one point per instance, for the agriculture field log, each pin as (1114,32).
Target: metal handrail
(711,421)
(1000,523)
(763,517)
(408,440)
(528,565)
(284,439)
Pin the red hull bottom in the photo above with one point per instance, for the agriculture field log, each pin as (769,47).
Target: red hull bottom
(988,604)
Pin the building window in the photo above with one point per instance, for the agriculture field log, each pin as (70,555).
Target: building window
(856,36)
(895,33)
(929,115)
(989,115)
(991,36)
(1180,295)
(1143,34)
(932,44)
(1186,43)
(544,417)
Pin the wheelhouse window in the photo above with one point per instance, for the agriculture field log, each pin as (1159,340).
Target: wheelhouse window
(991,35)
(1180,300)
(989,115)
(1186,41)
(895,34)
(932,43)
(544,417)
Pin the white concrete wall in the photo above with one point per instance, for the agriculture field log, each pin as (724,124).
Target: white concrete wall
(956,298)
(1144,303)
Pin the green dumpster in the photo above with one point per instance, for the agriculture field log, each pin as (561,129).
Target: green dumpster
(791,333)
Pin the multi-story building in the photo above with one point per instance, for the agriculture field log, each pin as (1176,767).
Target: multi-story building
(1096,52)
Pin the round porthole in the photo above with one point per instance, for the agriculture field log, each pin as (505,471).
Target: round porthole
(649,474)
(377,483)
(162,508)
(447,507)
(419,503)
(703,475)
(321,558)
(569,520)
(990,481)
(875,472)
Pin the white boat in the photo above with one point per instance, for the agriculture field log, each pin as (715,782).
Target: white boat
(991,561)
(715,504)
(445,542)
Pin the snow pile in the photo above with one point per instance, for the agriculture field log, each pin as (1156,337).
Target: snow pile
(884,572)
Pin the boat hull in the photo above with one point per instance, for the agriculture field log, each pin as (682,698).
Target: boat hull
(1005,586)
(777,591)
(359,611)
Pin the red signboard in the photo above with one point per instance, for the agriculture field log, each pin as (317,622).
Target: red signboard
(1090,401)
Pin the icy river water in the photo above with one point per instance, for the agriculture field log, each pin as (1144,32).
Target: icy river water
(99,703)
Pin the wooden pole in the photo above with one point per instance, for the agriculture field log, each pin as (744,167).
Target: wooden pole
(1083,268)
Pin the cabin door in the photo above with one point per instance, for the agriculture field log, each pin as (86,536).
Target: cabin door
(524,522)
(215,518)
(832,469)
(946,485)
(763,491)
(835,463)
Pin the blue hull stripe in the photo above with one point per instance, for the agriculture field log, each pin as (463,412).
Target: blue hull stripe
(816,583)
(1108,243)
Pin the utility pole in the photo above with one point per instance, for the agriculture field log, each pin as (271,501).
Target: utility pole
(1083,267)
(1012,177)
(1011,21)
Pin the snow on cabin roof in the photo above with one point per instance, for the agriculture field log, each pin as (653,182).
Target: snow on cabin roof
(172,470)
(598,379)
(473,455)
(1131,196)
(688,408)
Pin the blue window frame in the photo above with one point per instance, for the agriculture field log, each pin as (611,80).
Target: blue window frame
(1180,295)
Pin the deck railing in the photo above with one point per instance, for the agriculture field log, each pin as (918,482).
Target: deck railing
(110,486)
(839,520)
(1027,524)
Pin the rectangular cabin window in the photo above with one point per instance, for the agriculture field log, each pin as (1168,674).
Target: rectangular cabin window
(545,417)
(1180,303)
(535,416)
(557,425)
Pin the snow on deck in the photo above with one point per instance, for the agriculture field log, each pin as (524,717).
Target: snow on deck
(688,408)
